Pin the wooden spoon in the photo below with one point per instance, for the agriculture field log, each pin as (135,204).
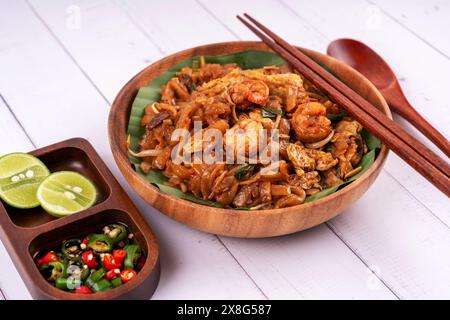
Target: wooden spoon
(373,67)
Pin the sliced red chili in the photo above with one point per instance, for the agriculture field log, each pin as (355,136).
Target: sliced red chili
(119,255)
(109,263)
(89,259)
(49,257)
(127,275)
(83,290)
(111,274)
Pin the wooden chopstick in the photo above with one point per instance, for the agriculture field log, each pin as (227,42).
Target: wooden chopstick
(423,160)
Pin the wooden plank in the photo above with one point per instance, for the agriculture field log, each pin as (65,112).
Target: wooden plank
(11,283)
(307,265)
(57,101)
(267,12)
(369,23)
(17,139)
(177,25)
(121,61)
(170,30)
(400,240)
(428,20)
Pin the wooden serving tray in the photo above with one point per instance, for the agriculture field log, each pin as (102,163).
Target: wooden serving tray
(24,232)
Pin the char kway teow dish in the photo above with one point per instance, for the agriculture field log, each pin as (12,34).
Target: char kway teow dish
(320,146)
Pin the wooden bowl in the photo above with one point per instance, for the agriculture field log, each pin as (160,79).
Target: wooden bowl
(239,223)
(25,232)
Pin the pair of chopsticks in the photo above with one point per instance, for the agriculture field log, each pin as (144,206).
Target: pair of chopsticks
(412,151)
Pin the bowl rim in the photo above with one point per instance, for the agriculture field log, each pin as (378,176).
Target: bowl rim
(117,136)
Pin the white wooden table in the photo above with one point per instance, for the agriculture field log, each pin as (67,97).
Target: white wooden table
(63,61)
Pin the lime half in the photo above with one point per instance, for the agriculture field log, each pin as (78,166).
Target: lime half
(20,176)
(66,192)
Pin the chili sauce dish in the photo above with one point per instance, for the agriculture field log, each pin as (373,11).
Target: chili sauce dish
(97,263)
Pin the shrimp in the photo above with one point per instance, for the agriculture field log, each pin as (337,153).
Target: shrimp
(310,122)
(251,90)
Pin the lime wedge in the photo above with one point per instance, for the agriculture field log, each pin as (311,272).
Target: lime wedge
(20,176)
(66,192)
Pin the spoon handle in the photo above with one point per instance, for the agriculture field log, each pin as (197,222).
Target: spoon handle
(402,107)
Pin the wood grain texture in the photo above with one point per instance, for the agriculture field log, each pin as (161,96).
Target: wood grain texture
(24,238)
(237,223)
(119,60)
(11,283)
(170,40)
(428,20)
(409,247)
(308,265)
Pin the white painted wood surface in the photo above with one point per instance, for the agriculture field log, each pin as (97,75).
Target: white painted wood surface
(423,18)
(62,62)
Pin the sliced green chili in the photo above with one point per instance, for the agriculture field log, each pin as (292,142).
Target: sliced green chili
(95,277)
(59,269)
(116,282)
(69,283)
(100,243)
(85,273)
(101,286)
(117,232)
(133,254)
(71,250)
